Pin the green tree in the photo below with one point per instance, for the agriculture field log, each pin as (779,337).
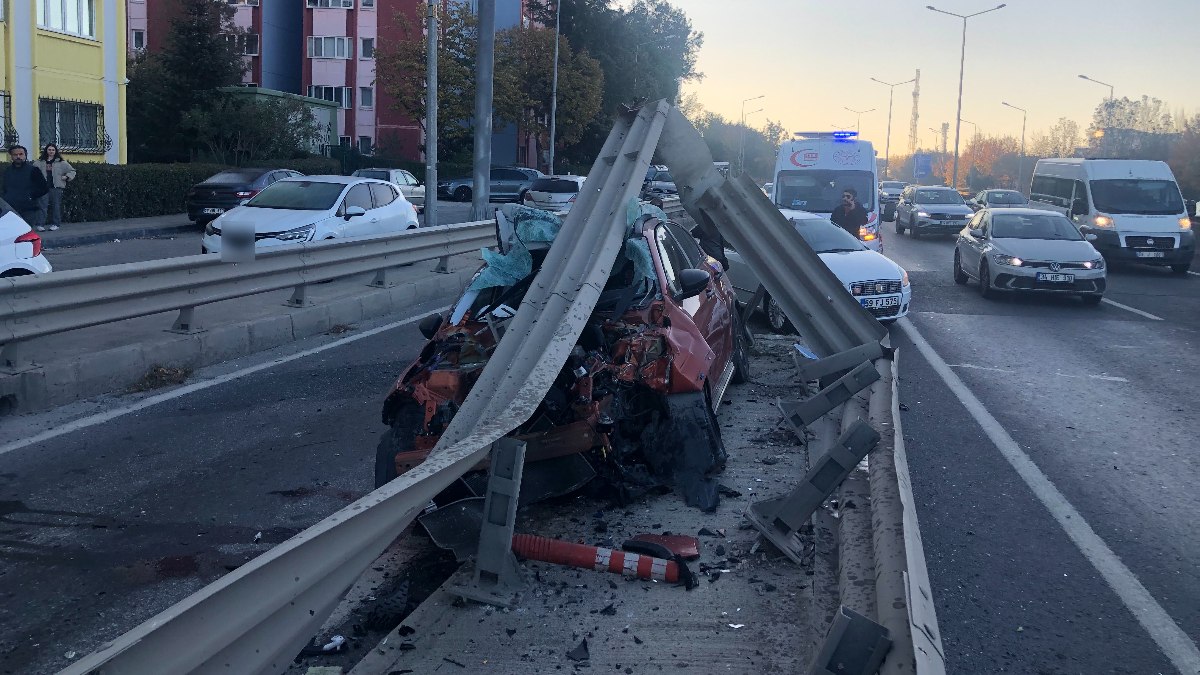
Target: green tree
(201,54)
(234,129)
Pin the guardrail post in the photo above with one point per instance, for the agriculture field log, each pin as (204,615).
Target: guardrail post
(299,297)
(800,414)
(15,358)
(381,279)
(496,577)
(443,265)
(854,645)
(185,323)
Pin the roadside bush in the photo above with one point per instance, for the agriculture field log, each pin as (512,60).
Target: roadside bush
(117,191)
(311,166)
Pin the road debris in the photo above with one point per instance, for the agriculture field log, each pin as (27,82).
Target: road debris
(580,652)
(678,544)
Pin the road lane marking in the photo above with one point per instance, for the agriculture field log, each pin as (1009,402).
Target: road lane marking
(972,366)
(1195,274)
(1175,643)
(109,415)
(1127,308)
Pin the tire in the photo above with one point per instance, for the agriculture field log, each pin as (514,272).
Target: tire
(1181,268)
(1091,300)
(696,450)
(462,194)
(741,352)
(960,277)
(775,316)
(985,282)
(8,274)
(398,438)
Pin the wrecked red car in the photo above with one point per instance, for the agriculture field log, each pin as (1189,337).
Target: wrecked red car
(634,405)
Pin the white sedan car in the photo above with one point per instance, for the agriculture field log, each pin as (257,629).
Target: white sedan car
(879,285)
(315,208)
(554,193)
(412,189)
(20,246)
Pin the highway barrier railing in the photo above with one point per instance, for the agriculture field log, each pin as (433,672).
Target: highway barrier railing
(36,306)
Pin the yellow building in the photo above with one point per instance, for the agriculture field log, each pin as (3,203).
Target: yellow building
(62,77)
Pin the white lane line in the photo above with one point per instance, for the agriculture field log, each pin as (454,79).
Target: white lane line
(1127,308)
(1175,643)
(1106,378)
(108,415)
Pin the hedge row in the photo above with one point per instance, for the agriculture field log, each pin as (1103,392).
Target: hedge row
(118,191)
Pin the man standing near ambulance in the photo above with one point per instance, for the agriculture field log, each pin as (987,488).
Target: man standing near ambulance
(849,215)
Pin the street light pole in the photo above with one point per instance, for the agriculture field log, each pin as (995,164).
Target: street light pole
(1021,166)
(431,115)
(975,136)
(742,153)
(1109,112)
(1110,87)
(887,151)
(485,63)
(962,59)
(859,113)
(554,82)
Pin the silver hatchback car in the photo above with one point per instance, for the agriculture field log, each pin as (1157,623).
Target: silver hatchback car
(1028,250)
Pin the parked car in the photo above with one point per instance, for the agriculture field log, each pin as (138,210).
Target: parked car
(20,246)
(1028,250)
(659,183)
(889,195)
(874,280)
(931,210)
(313,208)
(554,193)
(637,397)
(769,190)
(222,192)
(997,199)
(508,184)
(412,189)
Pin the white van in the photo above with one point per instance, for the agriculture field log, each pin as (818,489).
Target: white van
(813,169)
(1130,209)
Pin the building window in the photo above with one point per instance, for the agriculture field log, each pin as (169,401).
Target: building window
(10,132)
(249,3)
(344,141)
(367,50)
(245,44)
(76,17)
(74,126)
(364,145)
(139,40)
(339,95)
(366,97)
(368,4)
(339,4)
(329,47)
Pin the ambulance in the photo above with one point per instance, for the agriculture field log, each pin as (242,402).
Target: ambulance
(815,167)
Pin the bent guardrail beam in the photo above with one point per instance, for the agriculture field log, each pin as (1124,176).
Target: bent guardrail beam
(35,306)
(257,618)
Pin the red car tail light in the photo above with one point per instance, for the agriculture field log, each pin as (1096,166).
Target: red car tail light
(245,194)
(33,238)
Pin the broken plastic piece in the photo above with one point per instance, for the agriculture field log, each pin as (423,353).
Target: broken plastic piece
(580,652)
(677,544)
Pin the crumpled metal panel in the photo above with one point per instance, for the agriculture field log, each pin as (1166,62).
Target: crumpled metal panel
(828,318)
(257,618)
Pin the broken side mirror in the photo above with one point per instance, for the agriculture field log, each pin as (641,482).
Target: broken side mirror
(692,282)
(429,325)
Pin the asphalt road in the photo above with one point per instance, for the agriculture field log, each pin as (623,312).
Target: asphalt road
(105,526)
(1053,456)
(138,250)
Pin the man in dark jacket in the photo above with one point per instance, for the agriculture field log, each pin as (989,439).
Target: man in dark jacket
(850,215)
(24,185)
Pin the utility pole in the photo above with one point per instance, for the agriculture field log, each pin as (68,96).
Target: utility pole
(742,153)
(887,151)
(485,64)
(431,115)
(554,81)
(858,118)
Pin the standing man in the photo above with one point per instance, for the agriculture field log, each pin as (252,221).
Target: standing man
(849,215)
(24,185)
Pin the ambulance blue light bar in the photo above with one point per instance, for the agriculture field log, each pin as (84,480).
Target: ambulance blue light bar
(836,135)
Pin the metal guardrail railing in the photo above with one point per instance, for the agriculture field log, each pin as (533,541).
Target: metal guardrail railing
(36,306)
(258,617)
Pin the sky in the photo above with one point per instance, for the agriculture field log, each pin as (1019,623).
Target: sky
(813,58)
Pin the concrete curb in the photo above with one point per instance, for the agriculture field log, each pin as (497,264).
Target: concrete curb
(86,238)
(114,370)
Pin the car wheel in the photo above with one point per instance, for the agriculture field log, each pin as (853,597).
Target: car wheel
(697,450)
(960,277)
(1091,300)
(741,351)
(985,281)
(1182,268)
(776,317)
(462,194)
(397,439)
(6,274)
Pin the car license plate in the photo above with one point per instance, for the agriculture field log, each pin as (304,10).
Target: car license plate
(1149,254)
(213,211)
(881,303)
(1056,278)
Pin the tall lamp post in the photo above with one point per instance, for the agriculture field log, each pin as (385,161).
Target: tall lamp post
(742,153)
(1110,87)
(1104,138)
(962,59)
(887,151)
(1021,166)
(859,113)
(554,83)
(974,126)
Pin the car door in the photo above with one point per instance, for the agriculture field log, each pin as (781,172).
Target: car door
(391,209)
(710,311)
(357,226)
(904,207)
(973,251)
